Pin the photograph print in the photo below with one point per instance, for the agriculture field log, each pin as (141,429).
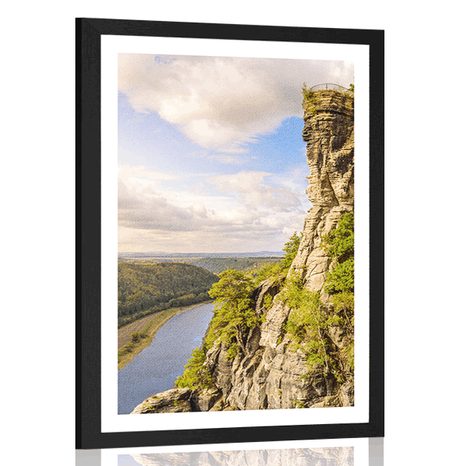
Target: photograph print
(230,263)
(236,238)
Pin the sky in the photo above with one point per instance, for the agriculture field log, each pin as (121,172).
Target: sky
(210,152)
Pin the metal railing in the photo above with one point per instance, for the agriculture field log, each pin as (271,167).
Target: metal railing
(328,86)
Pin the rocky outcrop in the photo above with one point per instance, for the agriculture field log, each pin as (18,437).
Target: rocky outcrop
(270,372)
(177,400)
(329,133)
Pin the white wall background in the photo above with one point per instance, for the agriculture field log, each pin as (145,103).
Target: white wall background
(426,177)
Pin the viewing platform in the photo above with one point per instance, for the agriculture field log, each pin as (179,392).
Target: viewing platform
(328,87)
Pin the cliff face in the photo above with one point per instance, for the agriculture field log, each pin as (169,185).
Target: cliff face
(329,133)
(270,371)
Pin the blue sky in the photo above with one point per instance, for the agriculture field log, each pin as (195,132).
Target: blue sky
(211,157)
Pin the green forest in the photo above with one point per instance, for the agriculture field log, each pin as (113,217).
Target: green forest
(145,287)
(219,264)
(216,264)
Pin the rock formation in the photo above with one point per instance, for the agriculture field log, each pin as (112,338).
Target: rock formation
(270,372)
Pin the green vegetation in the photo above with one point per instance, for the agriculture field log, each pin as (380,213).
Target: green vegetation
(129,350)
(310,320)
(309,101)
(306,91)
(299,404)
(147,287)
(339,245)
(291,249)
(306,323)
(214,264)
(278,270)
(234,316)
(339,284)
(220,264)
(195,375)
(341,278)
(234,313)
(268,301)
(136,337)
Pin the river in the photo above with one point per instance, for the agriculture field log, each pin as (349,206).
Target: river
(157,366)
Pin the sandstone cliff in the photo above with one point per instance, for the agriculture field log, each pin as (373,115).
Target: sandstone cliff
(272,370)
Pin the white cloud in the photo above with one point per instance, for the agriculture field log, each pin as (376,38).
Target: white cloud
(257,191)
(143,203)
(144,176)
(222,103)
(244,211)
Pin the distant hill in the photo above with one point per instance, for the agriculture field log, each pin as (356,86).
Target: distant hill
(214,264)
(219,264)
(166,255)
(147,286)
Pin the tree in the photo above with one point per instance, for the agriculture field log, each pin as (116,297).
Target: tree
(339,245)
(291,249)
(195,375)
(234,310)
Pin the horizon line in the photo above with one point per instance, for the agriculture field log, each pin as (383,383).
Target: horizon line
(160,253)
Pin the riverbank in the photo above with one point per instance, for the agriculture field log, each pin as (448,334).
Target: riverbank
(134,337)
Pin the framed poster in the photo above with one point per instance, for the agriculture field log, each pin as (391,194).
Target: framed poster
(229,233)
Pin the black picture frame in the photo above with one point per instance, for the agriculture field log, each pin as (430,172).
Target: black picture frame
(88,228)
